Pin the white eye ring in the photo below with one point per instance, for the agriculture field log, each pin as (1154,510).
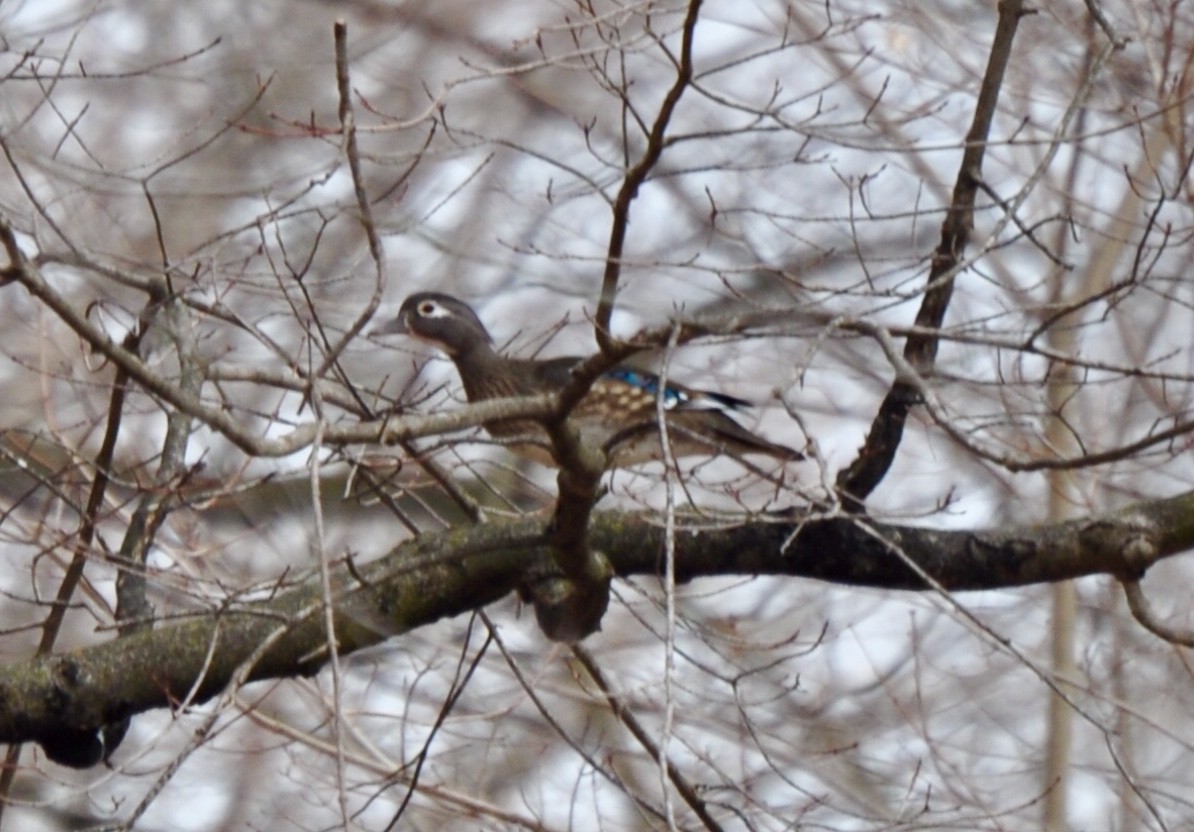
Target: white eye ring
(431,309)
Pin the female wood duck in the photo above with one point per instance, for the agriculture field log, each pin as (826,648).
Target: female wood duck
(618,412)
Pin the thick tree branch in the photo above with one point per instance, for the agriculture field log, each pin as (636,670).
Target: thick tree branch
(67,695)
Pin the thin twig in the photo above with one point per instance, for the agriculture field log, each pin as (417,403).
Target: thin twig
(636,176)
(1143,612)
(624,715)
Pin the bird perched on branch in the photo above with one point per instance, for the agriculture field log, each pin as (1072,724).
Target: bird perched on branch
(617,414)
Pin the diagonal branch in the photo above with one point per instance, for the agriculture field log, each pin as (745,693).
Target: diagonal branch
(637,175)
(856,482)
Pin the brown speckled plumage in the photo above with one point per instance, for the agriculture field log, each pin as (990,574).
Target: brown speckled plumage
(618,413)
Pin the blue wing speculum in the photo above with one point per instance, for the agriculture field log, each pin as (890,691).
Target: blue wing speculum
(676,396)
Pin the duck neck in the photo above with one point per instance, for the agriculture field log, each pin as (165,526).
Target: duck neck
(478,366)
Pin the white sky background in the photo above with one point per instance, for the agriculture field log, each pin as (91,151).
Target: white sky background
(903,702)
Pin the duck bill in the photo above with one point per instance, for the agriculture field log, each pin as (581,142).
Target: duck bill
(395,327)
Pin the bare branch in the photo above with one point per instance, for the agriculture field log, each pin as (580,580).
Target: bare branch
(874,459)
(1143,612)
(440,575)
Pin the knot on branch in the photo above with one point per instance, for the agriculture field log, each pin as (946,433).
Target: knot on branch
(569,610)
(74,745)
(1139,552)
(1126,545)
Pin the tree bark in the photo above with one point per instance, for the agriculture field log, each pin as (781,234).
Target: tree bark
(433,576)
